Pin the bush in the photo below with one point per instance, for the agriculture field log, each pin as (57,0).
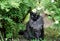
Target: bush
(12,13)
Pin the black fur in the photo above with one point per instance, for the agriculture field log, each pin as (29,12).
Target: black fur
(34,28)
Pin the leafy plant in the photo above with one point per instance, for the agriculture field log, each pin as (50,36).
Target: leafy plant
(12,15)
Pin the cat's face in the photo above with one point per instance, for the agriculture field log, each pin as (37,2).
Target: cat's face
(33,16)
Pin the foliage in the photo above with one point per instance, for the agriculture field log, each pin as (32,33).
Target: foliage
(53,11)
(52,33)
(53,8)
(12,13)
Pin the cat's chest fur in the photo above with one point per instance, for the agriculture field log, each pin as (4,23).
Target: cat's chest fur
(36,24)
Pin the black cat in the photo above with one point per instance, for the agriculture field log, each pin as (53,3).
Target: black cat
(34,28)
